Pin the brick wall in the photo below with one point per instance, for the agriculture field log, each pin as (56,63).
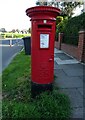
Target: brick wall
(71,50)
(81,46)
(76,51)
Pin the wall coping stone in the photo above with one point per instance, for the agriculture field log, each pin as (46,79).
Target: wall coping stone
(81,31)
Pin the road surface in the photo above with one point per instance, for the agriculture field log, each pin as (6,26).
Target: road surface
(7,53)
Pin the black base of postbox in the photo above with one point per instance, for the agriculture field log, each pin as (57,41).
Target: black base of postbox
(36,89)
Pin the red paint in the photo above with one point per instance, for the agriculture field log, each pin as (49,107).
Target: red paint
(42,58)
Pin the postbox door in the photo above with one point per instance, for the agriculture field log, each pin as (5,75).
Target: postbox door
(46,57)
(42,68)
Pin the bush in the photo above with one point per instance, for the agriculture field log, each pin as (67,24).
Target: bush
(2,34)
(14,35)
(59,19)
(61,27)
(71,28)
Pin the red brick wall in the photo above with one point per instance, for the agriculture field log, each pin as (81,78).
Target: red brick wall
(56,44)
(81,46)
(71,50)
(76,51)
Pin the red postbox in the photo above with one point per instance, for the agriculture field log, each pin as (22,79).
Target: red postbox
(43,19)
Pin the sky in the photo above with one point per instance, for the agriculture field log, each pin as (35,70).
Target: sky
(13,16)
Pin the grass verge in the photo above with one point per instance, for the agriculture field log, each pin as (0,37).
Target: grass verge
(17,102)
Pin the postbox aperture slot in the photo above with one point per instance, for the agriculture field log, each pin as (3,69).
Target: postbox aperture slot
(44,41)
(44,26)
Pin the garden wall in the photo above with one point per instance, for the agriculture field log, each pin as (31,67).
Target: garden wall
(76,51)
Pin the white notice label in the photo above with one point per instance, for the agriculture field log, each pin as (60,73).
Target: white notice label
(44,40)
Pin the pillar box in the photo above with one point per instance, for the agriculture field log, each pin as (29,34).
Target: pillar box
(43,21)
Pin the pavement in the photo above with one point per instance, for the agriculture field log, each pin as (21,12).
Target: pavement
(70,79)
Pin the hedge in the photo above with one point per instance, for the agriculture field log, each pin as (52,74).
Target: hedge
(14,35)
(70,28)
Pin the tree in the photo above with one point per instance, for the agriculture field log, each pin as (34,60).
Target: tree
(46,3)
(67,8)
(54,3)
(42,2)
(29,30)
(3,30)
(13,30)
(59,19)
(17,30)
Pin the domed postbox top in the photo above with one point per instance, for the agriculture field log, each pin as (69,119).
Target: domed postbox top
(41,12)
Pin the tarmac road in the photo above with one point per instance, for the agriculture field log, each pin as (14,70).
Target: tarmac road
(13,41)
(7,53)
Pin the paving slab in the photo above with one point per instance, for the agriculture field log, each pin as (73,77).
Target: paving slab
(69,66)
(84,92)
(74,72)
(75,97)
(57,51)
(59,73)
(77,113)
(81,91)
(81,77)
(57,59)
(62,62)
(62,56)
(69,82)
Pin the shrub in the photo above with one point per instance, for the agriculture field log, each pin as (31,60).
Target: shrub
(59,19)
(3,35)
(14,35)
(71,28)
(61,27)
